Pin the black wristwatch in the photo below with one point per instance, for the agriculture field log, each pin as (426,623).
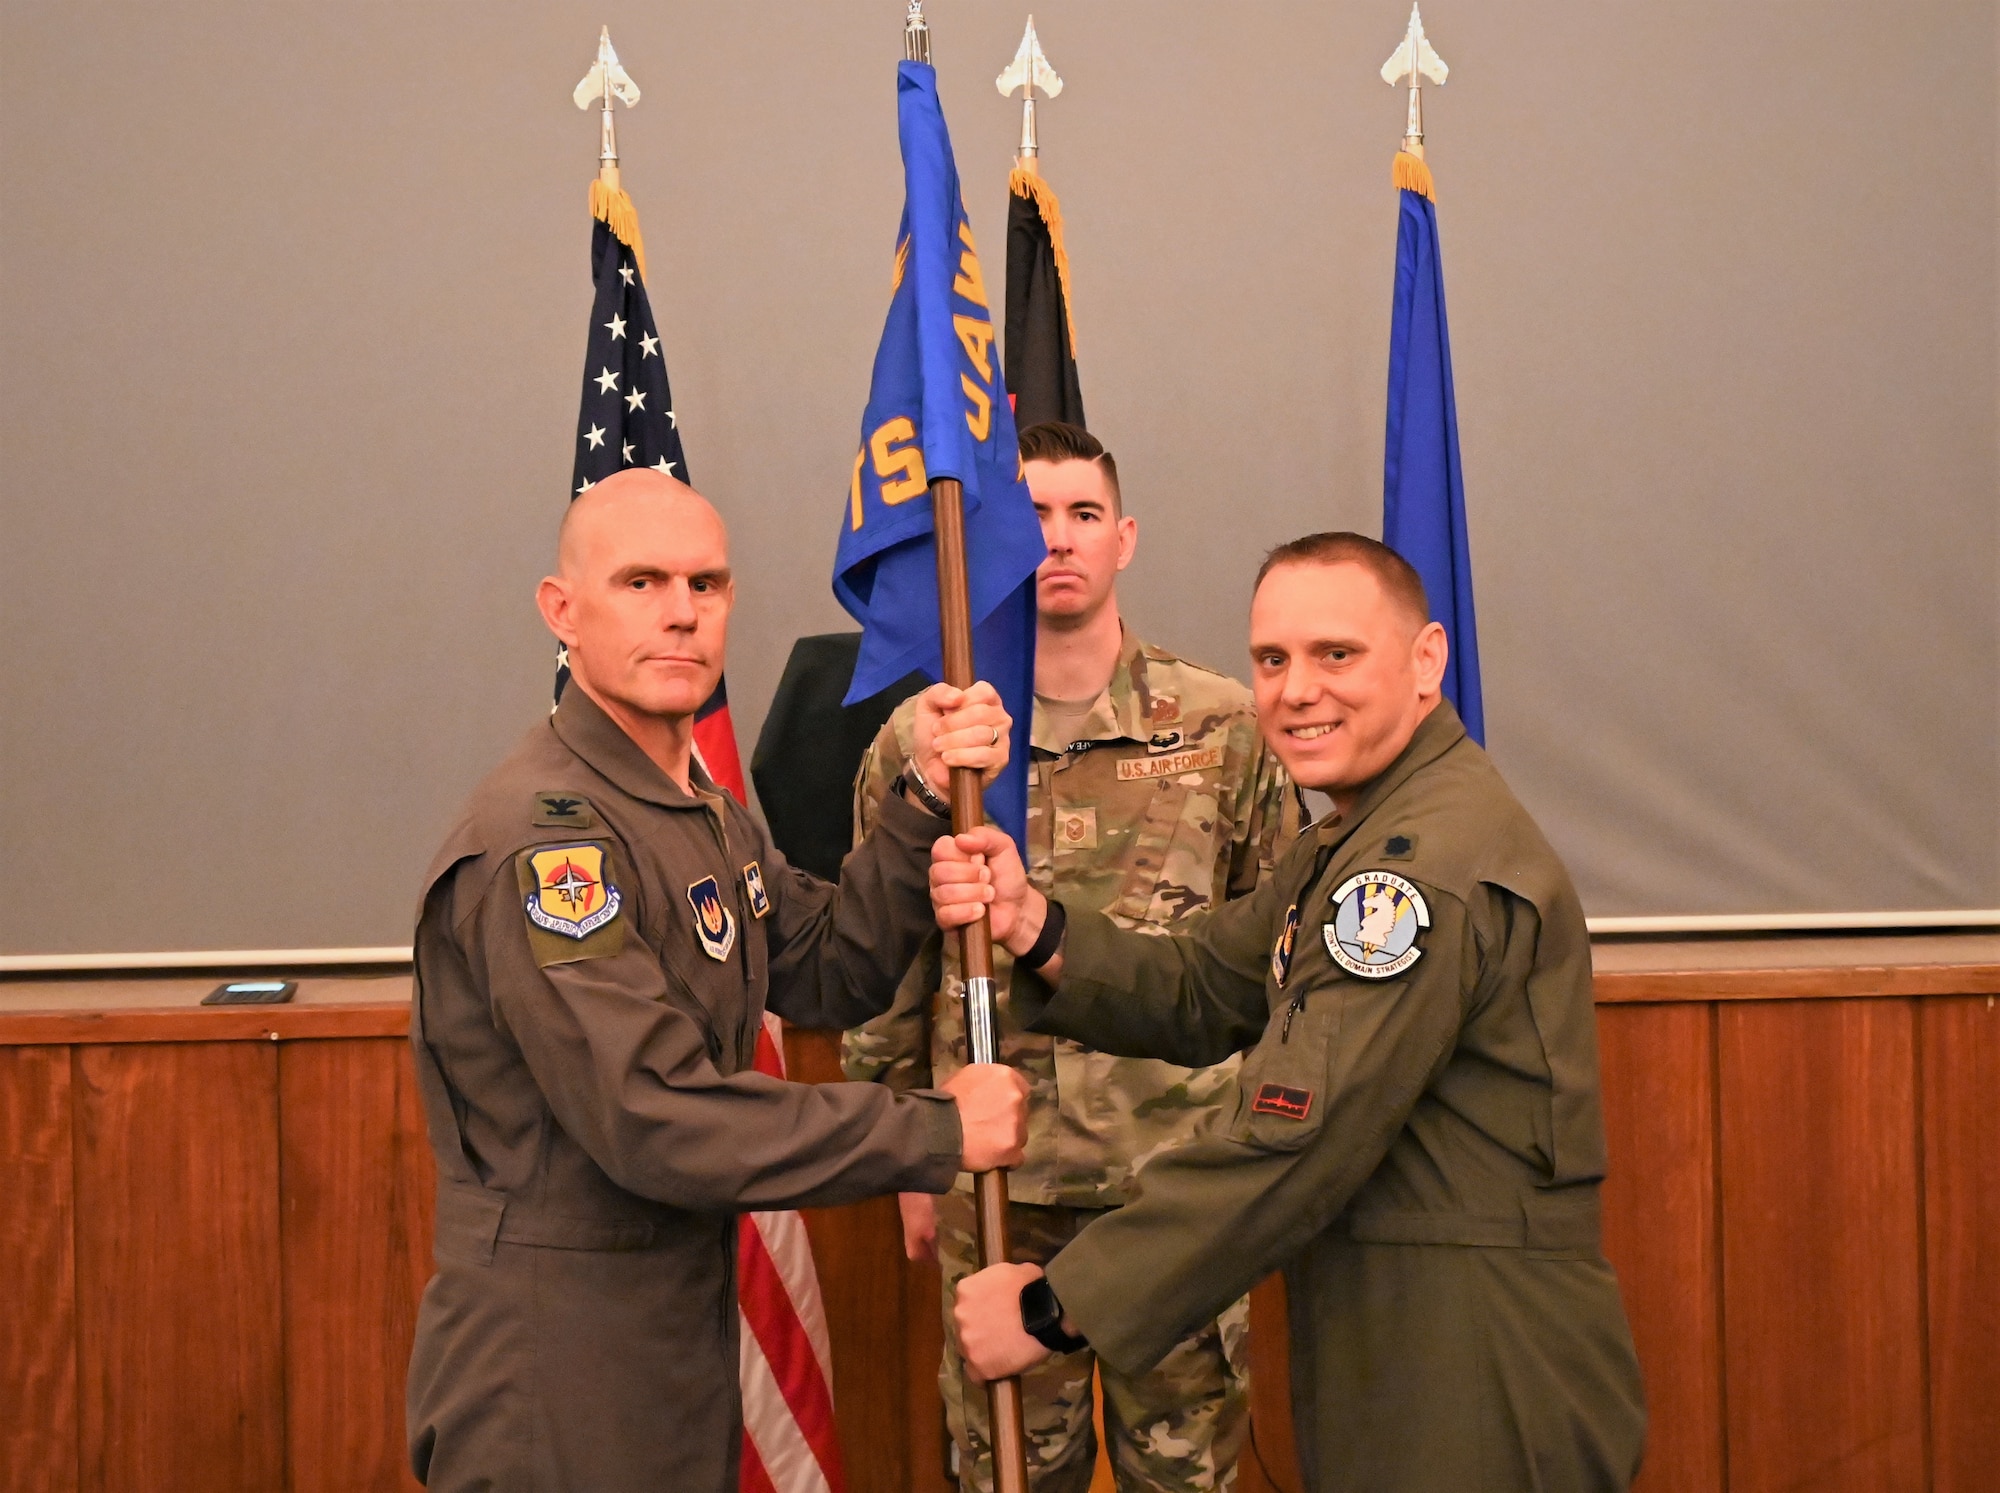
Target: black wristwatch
(1042,1314)
(911,779)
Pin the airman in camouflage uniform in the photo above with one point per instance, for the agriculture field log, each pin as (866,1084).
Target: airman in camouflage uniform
(1163,800)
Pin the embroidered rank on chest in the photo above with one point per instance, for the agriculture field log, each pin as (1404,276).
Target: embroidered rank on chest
(1377,918)
(572,895)
(714,923)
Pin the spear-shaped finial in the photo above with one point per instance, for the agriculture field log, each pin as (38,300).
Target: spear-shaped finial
(1415,60)
(605,81)
(1028,71)
(916,35)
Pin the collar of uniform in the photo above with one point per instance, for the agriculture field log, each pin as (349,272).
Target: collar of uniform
(599,740)
(1122,712)
(1436,734)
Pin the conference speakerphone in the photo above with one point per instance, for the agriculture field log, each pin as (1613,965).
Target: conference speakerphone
(251,993)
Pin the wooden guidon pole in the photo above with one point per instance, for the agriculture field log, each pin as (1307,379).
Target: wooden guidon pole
(975,959)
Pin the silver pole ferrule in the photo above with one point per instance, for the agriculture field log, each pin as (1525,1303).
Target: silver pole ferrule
(981,1043)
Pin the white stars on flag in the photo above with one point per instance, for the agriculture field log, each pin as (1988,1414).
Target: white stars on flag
(616,327)
(663,465)
(625,273)
(636,400)
(649,346)
(595,435)
(606,381)
(628,453)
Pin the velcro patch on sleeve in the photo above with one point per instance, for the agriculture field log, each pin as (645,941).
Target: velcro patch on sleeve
(1170,766)
(1283,1101)
(570,902)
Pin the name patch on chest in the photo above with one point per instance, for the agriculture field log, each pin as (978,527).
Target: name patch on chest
(1282,1100)
(1131,769)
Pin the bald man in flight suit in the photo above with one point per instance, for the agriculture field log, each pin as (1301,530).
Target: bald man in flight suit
(598,941)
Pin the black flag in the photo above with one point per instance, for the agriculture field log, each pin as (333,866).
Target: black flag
(1041,337)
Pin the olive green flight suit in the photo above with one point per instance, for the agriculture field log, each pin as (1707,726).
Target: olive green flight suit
(594,955)
(1419,1144)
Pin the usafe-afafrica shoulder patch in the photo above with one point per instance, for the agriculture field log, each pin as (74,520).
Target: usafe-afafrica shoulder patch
(753,886)
(1282,1100)
(714,923)
(1171,765)
(1377,917)
(571,901)
(558,810)
(1281,951)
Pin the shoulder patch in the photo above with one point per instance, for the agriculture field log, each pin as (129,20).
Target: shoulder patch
(753,886)
(561,810)
(1282,1100)
(571,902)
(1399,848)
(1377,917)
(1281,951)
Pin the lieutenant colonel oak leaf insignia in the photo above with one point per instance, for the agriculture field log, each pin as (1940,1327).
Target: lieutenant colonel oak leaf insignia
(1377,917)
(571,902)
(714,923)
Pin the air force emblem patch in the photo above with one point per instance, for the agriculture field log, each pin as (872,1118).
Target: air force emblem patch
(1376,919)
(753,883)
(714,924)
(572,895)
(1281,951)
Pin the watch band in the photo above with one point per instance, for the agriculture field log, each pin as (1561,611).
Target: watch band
(913,779)
(1041,1318)
(1048,940)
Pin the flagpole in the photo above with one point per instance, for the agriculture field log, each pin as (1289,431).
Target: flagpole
(975,940)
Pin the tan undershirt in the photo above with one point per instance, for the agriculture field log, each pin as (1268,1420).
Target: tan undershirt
(1065,718)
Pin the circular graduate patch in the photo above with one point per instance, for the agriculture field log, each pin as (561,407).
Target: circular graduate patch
(1376,919)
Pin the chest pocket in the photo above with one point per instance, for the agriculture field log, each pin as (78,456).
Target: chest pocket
(1282,1093)
(1171,865)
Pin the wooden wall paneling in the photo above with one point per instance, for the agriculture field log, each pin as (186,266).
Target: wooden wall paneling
(180,1335)
(858,1252)
(356,1196)
(1823,1328)
(1961,1107)
(1270,1460)
(923,1351)
(38,1414)
(1660,1227)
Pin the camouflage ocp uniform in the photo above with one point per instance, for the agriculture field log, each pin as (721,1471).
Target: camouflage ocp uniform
(1166,802)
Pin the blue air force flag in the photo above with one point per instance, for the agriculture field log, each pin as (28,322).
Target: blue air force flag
(937,407)
(1423,490)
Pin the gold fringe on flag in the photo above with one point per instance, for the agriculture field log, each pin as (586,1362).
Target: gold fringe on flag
(1412,175)
(613,207)
(1029,184)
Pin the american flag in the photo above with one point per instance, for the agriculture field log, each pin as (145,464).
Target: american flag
(626,419)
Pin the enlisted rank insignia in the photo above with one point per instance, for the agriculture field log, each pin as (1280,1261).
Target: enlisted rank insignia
(572,895)
(714,924)
(1281,951)
(1283,1101)
(1376,919)
(1399,848)
(563,811)
(753,883)
(1076,829)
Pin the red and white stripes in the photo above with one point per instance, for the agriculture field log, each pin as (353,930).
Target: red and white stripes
(789,1441)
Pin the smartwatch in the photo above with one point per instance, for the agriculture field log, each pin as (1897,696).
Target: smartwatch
(1042,1314)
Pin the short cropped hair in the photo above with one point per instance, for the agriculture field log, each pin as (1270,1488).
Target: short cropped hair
(1057,440)
(1397,577)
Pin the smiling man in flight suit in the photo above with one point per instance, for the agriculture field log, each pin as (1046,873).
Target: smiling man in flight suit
(598,940)
(1416,1135)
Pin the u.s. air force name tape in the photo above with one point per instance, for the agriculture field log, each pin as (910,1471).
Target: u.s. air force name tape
(1130,768)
